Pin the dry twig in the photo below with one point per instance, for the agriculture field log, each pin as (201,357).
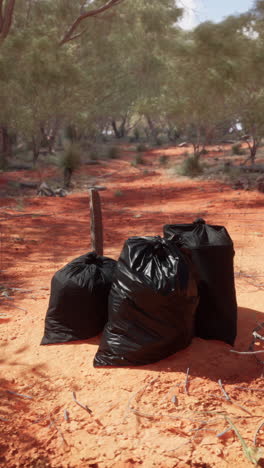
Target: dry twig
(52,423)
(258,336)
(19,395)
(221,434)
(227,397)
(250,389)
(134,396)
(187,382)
(246,352)
(85,407)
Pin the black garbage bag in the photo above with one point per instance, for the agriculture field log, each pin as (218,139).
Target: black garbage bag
(151,306)
(212,254)
(78,301)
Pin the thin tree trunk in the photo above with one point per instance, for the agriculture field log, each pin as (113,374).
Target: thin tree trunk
(5,146)
(116,131)
(153,130)
(122,130)
(5,142)
(35,150)
(6,17)
(67,177)
(253,152)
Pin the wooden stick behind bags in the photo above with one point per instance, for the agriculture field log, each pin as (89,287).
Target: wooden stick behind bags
(96,222)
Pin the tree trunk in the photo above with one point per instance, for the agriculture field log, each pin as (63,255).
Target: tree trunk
(116,130)
(48,138)
(196,151)
(122,128)
(6,18)
(253,152)
(35,150)
(154,132)
(5,146)
(67,177)
(121,131)
(5,143)
(209,136)
(172,134)
(71,133)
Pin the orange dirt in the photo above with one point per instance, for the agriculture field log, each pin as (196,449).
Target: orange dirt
(140,416)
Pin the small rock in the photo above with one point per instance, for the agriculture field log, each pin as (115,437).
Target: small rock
(174,400)
(45,191)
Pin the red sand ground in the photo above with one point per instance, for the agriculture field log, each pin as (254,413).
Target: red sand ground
(134,421)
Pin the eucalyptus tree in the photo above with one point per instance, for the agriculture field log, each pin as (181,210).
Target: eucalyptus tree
(199,95)
(128,59)
(110,65)
(242,46)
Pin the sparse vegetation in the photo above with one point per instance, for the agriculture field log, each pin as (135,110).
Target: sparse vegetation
(70,161)
(159,141)
(138,159)
(113,152)
(141,148)
(118,193)
(94,154)
(163,160)
(237,149)
(191,167)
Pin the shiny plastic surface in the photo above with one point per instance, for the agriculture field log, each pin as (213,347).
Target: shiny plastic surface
(78,301)
(212,253)
(152,304)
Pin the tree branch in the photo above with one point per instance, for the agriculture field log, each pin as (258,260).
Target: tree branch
(77,35)
(1,15)
(68,35)
(6,18)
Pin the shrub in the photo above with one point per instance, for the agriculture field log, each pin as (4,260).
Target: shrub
(191,167)
(141,148)
(163,159)
(104,138)
(237,149)
(93,154)
(260,184)
(118,193)
(70,161)
(71,158)
(227,168)
(113,152)
(139,159)
(136,134)
(3,163)
(159,141)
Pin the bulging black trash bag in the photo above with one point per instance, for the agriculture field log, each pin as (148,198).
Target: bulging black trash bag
(78,301)
(151,305)
(212,254)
